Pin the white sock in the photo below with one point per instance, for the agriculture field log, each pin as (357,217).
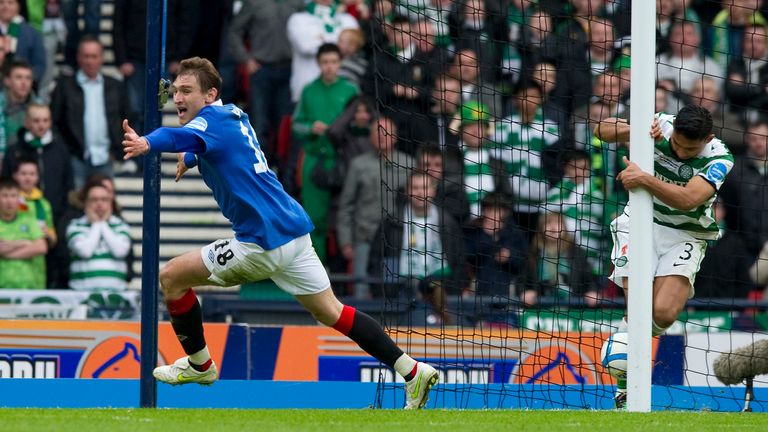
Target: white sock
(404,365)
(656,330)
(200,357)
(623,325)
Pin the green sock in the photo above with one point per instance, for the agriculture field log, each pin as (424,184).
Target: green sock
(621,384)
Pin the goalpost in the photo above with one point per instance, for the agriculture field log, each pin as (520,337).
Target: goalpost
(155,69)
(640,304)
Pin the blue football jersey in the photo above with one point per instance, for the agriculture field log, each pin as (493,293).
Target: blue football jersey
(232,164)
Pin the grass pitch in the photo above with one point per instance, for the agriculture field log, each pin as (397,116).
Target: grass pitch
(226,420)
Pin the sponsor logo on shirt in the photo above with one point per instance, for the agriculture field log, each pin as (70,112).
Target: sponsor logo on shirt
(717,172)
(198,123)
(210,255)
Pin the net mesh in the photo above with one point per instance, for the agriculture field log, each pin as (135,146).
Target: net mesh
(493,256)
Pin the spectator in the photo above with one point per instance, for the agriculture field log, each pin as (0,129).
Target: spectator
(580,202)
(495,248)
(572,49)
(322,102)
(16,97)
(307,31)
(529,29)
(383,170)
(267,61)
(445,103)
(465,68)
(359,9)
(22,244)
(129,45)
(684,64)
(482,173)
(350,133)
(473,27)
(92,19)
(429,56)
(401,82)
(101,100)
(725,125)
(22,42)
(555,266)
(727,29)
(725,269)
(747,85)
(353,64)
(46,17)
(522,141)
(744,191)
(449,194)
(99,242)
(606,94)
(422,251)
(670,11)
(27,175)
(38,142)
(545,75)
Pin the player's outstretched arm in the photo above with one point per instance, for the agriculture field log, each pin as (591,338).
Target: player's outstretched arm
(133,144)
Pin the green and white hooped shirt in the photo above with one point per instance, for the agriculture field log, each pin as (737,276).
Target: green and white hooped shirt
(713,164)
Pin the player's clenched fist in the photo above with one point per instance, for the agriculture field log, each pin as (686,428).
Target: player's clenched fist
(133,144)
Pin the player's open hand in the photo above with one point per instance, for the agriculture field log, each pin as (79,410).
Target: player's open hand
(655,130)
(181,167)
(133,144)
(632,176)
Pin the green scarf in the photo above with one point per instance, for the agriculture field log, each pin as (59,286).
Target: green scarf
(330,23)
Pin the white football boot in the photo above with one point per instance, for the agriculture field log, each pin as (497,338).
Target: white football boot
(181,372)
(417,389)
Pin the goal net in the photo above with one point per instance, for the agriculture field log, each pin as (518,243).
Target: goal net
(493,257)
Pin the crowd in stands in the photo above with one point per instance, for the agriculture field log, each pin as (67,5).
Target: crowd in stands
(441,147)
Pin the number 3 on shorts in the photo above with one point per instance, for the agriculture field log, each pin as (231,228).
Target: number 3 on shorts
(686,254)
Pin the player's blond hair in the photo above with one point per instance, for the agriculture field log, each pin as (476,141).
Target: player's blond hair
(205,72)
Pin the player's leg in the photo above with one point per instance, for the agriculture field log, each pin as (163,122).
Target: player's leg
(368,334)
(669,296)
(176,280)
(303,275)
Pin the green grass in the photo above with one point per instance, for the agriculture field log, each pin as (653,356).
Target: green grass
(215,420)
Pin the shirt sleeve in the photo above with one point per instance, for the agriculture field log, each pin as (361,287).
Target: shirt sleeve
(176,140)
(716,171)
(666,123)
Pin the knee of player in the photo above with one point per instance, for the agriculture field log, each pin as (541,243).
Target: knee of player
(665,315)
(166,278)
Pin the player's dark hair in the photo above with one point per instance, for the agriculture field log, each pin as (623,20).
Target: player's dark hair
(8,183)
(25,160)
(693,122)
(205,72)
(328,48)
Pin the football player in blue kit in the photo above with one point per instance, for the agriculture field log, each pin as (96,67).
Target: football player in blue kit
(271,234)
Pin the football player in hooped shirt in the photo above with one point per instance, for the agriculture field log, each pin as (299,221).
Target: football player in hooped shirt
(271,234)
(690,165)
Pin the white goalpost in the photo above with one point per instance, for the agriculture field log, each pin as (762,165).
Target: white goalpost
(640,303)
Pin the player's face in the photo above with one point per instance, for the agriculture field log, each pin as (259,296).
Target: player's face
(9,202)
(686,148)
(27,177)
(38,121)
(189,98)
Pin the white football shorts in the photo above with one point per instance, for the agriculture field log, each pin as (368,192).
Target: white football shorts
(677,252)
(294,266)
